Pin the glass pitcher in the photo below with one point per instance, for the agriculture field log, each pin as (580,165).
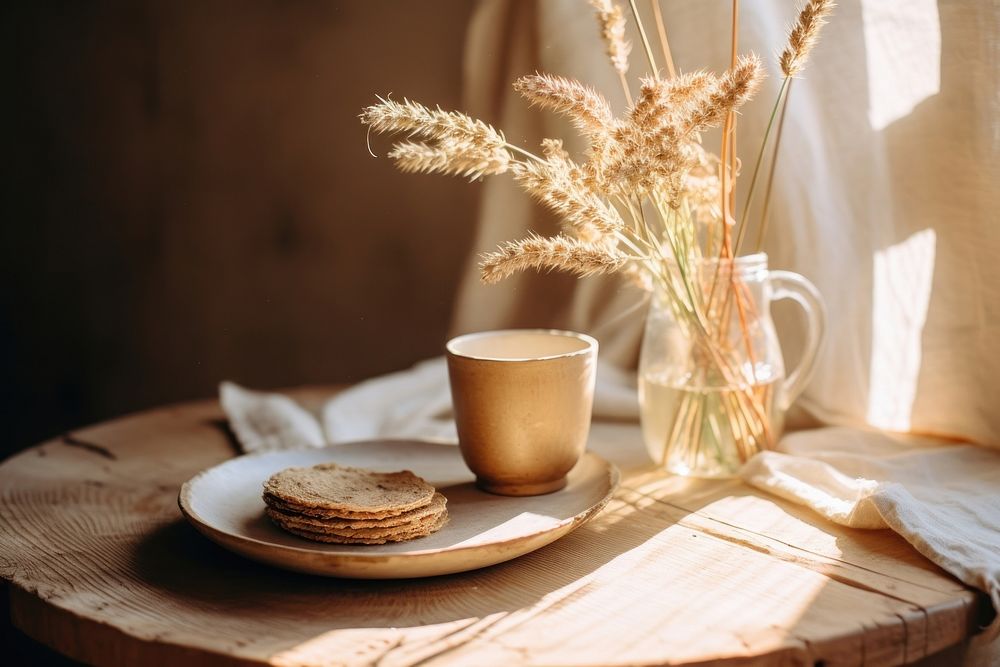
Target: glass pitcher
(712,385)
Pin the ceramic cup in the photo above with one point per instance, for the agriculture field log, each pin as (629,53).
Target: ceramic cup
(523,400)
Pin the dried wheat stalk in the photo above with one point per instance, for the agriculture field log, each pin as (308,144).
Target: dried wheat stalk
(559,184)
(558,253)
(652,151)
(804,35)
(450,157)
(612,22)
(418,120)
(734,89)
(588,110)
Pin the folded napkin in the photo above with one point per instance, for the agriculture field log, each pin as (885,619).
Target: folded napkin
(942,498)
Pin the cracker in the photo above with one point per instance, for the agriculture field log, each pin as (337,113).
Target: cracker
(378,532)
(308,522)
(349,492)
(319,513)
(339,539)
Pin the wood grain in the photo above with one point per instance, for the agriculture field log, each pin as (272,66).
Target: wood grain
(102,568)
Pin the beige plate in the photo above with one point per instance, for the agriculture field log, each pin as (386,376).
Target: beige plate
(224,503)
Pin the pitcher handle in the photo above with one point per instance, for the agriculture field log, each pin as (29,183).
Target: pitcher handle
(788,285)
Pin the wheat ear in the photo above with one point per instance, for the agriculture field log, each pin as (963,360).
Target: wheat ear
(557,253)
(734,89)
(558,184)
(586,108)
(661,101)
(450,157)
(612,22)
(804,35)
(553,151)
(418,120)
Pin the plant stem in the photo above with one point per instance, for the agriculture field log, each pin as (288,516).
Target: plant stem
(765,211)
(523,152)
(724,176)
(733,161)
(628,93)
(645,40)
(662,31)
(760,157)
(727,163)
(727,153)
(624,239)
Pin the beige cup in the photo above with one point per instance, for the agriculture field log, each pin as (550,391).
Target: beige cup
(523,399)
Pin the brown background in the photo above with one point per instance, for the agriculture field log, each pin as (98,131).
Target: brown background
(188,198)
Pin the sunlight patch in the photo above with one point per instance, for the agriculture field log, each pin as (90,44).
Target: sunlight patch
(902,292)
(903,52)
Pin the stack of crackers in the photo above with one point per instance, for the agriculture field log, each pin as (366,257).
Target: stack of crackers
(343,505)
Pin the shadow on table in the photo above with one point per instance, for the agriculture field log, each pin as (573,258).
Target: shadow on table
(178,559)
(194,575)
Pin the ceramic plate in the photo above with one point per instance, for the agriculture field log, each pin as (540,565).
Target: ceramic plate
(224,503)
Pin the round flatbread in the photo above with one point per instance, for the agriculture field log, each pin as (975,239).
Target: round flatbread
(418,526)
(413,518)
(348,492)
(318,513)
(340,539)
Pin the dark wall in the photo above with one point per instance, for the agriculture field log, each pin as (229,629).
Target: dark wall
(188,197)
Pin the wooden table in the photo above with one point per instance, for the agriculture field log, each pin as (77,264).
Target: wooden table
(102,568)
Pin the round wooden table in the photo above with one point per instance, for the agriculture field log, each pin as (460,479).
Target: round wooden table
(101,567)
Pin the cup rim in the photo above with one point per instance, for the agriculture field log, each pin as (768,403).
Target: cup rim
(591,345)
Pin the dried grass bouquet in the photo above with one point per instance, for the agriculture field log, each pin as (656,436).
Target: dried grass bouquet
(647,199)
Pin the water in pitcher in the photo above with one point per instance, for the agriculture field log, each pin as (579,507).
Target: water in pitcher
(709,429)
